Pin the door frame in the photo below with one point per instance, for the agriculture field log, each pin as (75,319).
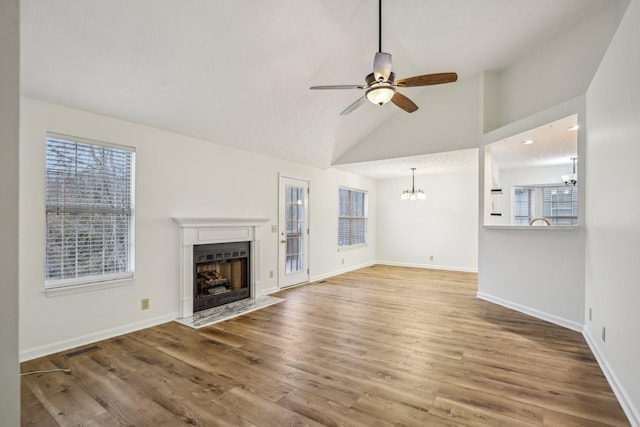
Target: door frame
(282,225)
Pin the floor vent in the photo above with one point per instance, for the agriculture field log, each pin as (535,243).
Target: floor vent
(81,351)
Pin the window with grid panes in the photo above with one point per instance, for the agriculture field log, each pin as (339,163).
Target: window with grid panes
(523,199)
(352,219)
(89,211)
(560,205)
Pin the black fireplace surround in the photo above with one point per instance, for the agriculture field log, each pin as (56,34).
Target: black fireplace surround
(220,274)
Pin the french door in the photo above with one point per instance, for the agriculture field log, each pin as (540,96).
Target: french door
(293,232)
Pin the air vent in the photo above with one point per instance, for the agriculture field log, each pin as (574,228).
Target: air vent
(82,351)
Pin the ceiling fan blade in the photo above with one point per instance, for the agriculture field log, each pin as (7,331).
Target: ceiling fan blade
(403,102)
(337,87)
(353,106)
(382,66)
(427,80)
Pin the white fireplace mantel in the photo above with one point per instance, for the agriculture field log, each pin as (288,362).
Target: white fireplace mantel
(219,222)
(202,231)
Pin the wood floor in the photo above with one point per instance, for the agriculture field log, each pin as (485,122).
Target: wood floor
(381,346)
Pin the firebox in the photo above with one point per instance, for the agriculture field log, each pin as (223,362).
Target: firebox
(220,274)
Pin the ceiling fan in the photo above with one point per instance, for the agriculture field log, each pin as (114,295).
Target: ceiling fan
(381,86)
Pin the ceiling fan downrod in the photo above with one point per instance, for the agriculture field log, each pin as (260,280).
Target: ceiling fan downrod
(379,25)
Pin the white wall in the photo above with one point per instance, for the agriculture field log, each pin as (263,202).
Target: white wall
(448,119)
(443,226)
(326,257)
(556,71)
(175,176)
(535,270)
(9,149)
(613,212)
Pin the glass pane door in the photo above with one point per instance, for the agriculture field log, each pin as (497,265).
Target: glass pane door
(295,229)
(293,232)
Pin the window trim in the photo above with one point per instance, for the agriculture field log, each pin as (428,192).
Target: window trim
(68,289)
(55,287)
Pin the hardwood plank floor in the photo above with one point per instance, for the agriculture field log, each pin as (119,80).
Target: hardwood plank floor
(381,346)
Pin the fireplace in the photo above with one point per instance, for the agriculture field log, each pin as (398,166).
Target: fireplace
(220,274)
(203,232)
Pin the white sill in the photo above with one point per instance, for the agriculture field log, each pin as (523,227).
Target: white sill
(87,287)
(352,247)
(533,227)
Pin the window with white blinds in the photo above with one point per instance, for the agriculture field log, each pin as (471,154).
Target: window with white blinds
(523,203)
(352,219)
(89,211)
(560,205)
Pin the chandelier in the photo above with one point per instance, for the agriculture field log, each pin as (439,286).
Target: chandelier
(571,179)
(413,194)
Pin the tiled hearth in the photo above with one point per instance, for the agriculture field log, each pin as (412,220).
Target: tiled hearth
(228,311)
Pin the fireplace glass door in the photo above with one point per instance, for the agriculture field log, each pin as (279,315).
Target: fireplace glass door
(220,274)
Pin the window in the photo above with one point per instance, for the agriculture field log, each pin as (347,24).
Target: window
(352,219)
(89,211)
(522,205)
(558,204)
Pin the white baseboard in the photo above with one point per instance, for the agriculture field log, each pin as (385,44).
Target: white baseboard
(341,271)
(569,324)
(632,412)
(268,291)
(428,266)
(33,353)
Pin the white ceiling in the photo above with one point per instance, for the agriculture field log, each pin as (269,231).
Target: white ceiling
(427,164)
(237,72)
(553,144)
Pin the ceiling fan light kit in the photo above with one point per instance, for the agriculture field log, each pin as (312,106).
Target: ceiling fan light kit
(381,86)
(380,92)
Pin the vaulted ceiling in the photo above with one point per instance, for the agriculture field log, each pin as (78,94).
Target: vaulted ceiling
(237,72)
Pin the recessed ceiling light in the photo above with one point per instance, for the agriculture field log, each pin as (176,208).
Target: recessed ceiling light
(528,141)
(573,128)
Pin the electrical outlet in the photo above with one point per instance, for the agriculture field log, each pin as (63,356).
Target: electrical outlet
(343,260)
(604,333)
(590,314)
(274,228)
(431,258)
(271,274)
(145,303)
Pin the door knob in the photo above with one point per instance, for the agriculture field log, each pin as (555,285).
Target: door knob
(283,241)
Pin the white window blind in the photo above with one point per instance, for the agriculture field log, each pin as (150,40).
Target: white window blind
(560,205)
(556,203)
(523,199)
(352,219)
(89,211)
